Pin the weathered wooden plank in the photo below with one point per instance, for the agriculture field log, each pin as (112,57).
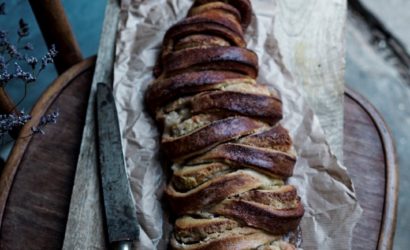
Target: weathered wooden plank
(37,181)
(310,36)
(85,204)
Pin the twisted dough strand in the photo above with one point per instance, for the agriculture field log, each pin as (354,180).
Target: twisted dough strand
(221,129)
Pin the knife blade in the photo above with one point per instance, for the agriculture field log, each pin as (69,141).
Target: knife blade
(120,211)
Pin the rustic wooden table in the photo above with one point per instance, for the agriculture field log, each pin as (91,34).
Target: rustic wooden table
(36,184)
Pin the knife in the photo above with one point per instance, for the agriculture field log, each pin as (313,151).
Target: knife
(120,211)
(85,223)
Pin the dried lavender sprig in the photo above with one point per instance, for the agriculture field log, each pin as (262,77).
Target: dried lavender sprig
(3,8)
(44,121)
(12,52)
(4,42)
(14,55)
(11,121)
(24,29)
(7,49)
(24,76)
(2,62)
(3,37)
(31,61)
(5,77)
(28,46)
(21,74)
(48,58)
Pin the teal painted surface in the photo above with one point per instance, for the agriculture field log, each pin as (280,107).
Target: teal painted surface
(86,18)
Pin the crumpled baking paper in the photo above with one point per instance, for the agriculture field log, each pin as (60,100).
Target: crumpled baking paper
(323,184)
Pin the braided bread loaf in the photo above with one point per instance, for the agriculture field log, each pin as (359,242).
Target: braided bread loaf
(220,128)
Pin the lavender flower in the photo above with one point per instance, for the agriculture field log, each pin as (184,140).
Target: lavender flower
(3,8)
(49,57)
(32,61)
(44,121)
(3,34)
(12,51)
(28,46)
(3,38)
(2,62)
(9,55)
(5,77)
(20,74)
(24,29)
(11,121)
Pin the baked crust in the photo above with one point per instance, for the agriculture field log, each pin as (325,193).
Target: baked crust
(282,197)
(200,41)
(215,7)
(271,162)
(190,230)
(212,192)
(243,6)
(206,23)
(266,108)
(246,239)
(253,214)
(164,90)
(275,138)
(234,59)
(222,233)
(189,177)
(209,136)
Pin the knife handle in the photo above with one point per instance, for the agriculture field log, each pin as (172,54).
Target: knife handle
(122,245)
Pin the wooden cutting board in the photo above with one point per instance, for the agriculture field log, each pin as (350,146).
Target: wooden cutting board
(37,181)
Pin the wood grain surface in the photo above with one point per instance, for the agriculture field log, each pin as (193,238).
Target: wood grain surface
(35,200)
(310,36)
(37,180)
(6,104)
(371,161)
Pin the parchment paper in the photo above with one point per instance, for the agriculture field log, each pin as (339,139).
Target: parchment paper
(323,184)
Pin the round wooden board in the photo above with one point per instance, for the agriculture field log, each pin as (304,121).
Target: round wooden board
(36,183)
(369,155)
